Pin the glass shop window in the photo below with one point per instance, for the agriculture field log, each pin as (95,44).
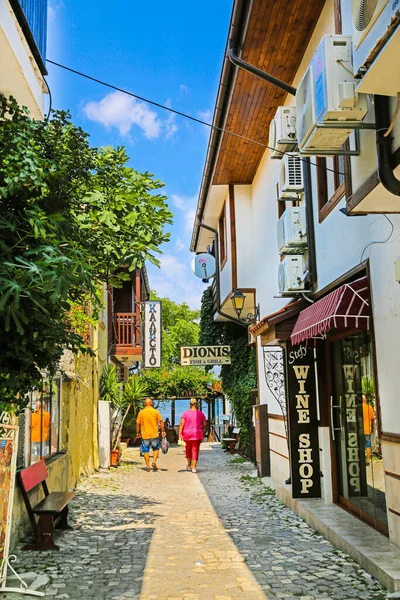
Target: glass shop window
(45,406)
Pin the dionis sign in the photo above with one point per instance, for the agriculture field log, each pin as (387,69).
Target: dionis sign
(302,400)
(205,355)
(152,334)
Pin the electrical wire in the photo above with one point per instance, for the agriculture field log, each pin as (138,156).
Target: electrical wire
(379,241)
(177,112)
(396,114)
(50,100)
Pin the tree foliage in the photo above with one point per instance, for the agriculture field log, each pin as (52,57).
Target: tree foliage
(180,327)
(240,377)
(70,216)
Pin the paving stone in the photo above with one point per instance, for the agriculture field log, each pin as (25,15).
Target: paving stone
(172,535)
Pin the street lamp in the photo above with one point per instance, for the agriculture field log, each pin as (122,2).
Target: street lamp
(238,300)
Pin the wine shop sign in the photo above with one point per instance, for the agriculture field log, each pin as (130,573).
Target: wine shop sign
(302,398)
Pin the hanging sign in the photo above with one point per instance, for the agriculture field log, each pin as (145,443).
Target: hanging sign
(152,334)
(303,427)
(204,265)
(205,355)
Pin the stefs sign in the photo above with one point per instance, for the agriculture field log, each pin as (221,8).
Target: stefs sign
(152,334)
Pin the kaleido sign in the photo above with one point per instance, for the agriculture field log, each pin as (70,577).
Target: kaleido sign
(152,334)
(303,427)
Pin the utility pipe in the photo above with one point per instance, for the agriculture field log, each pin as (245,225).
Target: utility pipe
(384,146)
(238,62)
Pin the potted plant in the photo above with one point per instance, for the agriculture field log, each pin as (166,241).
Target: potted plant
(132,397)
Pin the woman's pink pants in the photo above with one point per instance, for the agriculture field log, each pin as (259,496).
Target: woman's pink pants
(193,449)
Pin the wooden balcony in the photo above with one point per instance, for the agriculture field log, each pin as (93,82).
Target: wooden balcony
(126,337)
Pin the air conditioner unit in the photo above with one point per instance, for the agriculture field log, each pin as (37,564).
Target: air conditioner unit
(292,233)
(282,131)
(327,95)
(291,274)
(290,183)
(376,45)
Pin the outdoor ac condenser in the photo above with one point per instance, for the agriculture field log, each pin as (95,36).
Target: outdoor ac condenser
(290,183)
(282,131)
(376,46)
(290,274)
(327,94)
(292,235)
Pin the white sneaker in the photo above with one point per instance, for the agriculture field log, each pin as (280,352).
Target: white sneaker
(194,470)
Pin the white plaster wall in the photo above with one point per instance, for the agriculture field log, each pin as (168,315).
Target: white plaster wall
(341,240)
(265,218)
(244,236)
(19,74)
(226,273)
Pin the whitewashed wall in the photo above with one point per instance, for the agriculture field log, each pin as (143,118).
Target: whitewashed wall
(226,273)
(19,74)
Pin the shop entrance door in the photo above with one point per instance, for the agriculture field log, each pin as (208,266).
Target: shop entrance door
(359,485)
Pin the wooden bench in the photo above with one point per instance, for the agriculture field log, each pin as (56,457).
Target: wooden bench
(52,510)
(232,444)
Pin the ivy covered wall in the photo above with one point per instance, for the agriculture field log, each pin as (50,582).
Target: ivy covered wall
(240,377)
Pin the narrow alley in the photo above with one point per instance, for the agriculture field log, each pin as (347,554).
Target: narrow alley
(172,535)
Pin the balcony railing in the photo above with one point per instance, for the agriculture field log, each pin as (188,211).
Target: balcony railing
(35,13)
(126,330)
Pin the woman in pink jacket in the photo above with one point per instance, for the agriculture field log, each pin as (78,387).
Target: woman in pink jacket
(192,430)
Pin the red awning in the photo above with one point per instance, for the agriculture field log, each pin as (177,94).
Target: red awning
(346,307)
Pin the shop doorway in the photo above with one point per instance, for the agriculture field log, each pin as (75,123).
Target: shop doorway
(359,483)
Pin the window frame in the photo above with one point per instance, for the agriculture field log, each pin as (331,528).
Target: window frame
(222,228)
(327,204)
(55,398)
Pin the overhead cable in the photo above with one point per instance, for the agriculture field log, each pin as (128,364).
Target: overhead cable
(172,110)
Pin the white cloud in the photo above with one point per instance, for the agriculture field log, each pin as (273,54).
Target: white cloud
(187,204)
(52,10)
(179,245)
(176,281)
(171,266)
(170,126)
(204,115)
(183,89)
(189,219)
(123,112)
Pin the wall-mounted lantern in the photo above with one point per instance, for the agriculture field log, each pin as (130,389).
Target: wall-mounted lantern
(238,301)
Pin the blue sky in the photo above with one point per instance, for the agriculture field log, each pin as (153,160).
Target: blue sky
(170,52)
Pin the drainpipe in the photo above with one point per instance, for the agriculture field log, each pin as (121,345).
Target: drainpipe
(384,146)
(238,62)
(217,277)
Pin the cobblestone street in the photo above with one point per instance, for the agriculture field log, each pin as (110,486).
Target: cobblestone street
(173,535)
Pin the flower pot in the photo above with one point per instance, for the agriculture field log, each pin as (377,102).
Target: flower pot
(125,440)
(115,454)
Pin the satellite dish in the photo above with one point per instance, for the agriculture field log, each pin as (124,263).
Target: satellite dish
(203,265)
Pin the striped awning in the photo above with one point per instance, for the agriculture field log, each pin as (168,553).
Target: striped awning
(344,308)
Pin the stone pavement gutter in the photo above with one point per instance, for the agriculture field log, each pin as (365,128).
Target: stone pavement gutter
(219,534)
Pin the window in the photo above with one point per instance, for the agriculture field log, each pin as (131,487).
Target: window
(222,238)
(333,182)
(45,405)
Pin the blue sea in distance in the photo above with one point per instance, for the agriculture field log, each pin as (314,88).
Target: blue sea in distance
(181,406)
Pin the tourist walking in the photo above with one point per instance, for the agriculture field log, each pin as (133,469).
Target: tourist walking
(147,423)
(192,430)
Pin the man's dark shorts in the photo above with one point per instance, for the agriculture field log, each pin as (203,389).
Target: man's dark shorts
(151,443)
